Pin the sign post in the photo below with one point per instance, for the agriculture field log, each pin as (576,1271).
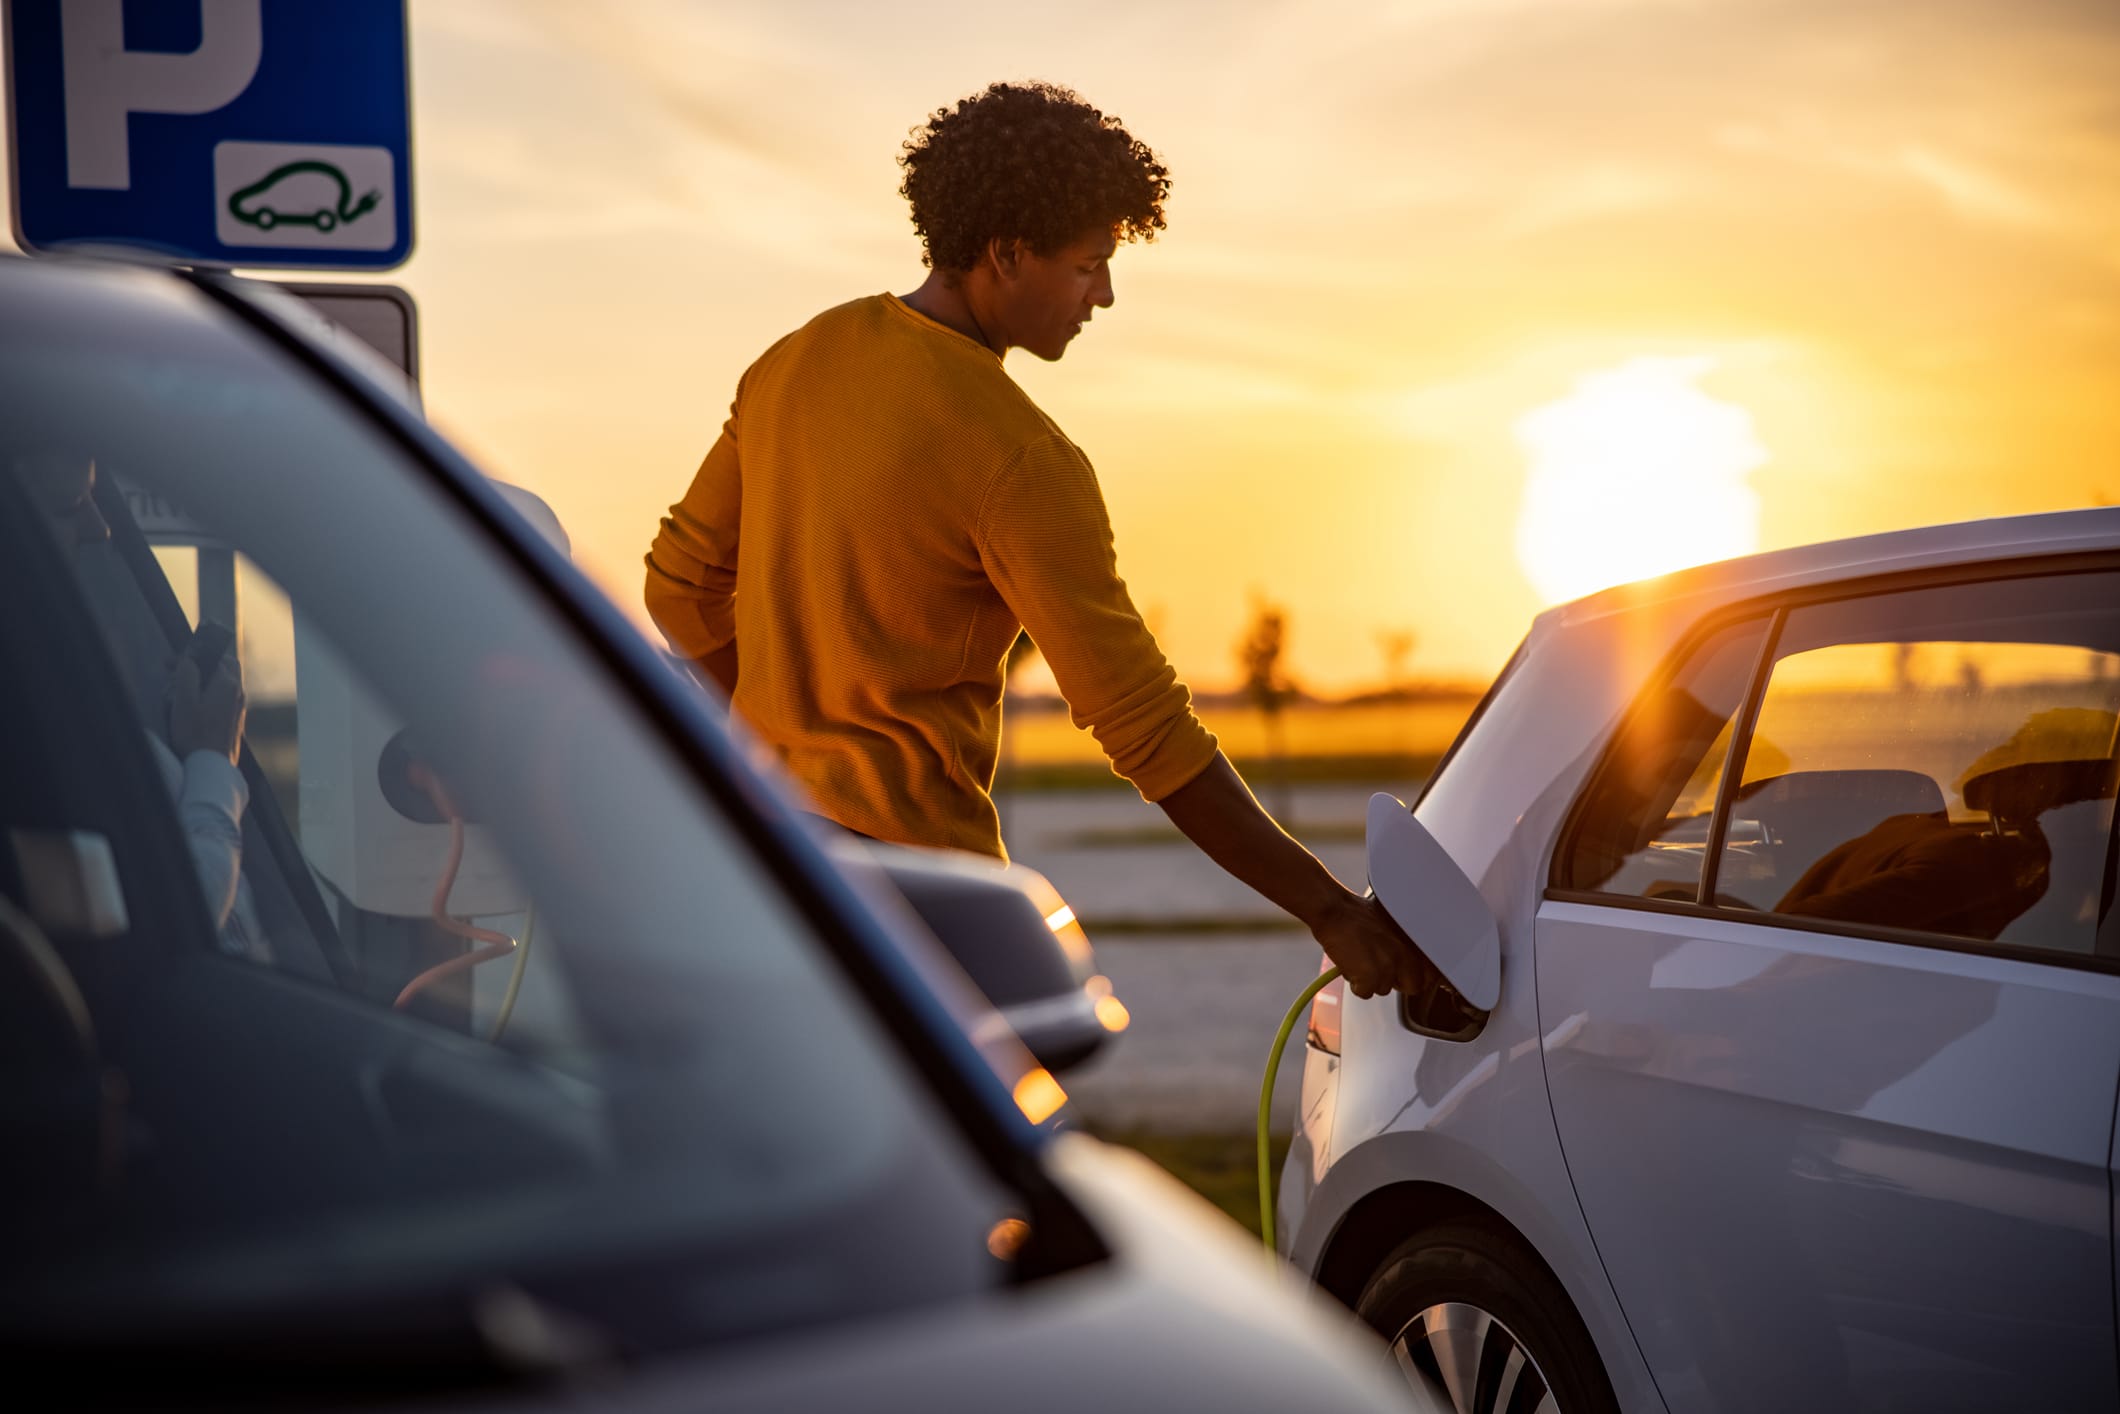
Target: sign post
(261,133)
(381,316)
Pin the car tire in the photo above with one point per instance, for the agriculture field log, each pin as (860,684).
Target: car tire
(1477,1325)
(267,218)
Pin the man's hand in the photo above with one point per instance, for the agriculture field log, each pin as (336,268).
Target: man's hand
(1373,955)
(1217,812)
(208,716)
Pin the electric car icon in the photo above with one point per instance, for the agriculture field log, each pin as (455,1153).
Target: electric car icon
(1788,1077)
(306,193)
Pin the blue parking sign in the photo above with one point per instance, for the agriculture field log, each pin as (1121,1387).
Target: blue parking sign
(272,133)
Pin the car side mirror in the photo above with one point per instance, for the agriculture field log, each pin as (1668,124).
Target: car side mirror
(1428,895)
(1018,941)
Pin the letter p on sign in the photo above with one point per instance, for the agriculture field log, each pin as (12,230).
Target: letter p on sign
(105,81)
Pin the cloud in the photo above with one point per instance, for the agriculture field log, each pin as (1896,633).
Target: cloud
(1975,194)
(1972,191)
(1597,191)
(646,125)
(1394,223)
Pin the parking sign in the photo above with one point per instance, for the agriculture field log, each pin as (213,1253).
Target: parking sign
(268,133)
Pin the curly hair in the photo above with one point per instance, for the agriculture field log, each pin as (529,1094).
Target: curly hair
(1029,160)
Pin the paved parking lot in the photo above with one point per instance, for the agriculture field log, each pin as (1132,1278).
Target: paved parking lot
(1208,989)
(1204,1013)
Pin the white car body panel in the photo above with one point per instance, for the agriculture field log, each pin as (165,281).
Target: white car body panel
(1943,1186)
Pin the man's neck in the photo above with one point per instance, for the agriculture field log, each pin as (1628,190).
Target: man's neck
(946,302)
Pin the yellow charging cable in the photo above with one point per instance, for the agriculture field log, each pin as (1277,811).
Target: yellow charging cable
(1273,1069)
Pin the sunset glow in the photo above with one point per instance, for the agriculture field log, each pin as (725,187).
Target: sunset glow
(1635,473)
(1433,280)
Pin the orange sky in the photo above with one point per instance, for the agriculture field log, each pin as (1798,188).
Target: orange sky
(1889,233)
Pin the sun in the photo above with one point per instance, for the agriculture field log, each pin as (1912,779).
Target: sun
(1634,473)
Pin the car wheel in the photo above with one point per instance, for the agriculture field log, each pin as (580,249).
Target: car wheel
(266,217)
(1478,1326)
(326,220)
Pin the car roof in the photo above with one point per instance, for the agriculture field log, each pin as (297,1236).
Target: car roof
(1999,538)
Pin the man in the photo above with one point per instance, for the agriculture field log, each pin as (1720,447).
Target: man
(885,508)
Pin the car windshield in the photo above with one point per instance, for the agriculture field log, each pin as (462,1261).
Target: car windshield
(452,977)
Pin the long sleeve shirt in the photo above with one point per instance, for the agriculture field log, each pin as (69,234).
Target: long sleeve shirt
(883,510)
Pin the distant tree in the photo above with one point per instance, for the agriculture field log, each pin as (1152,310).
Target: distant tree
(1903,675)
(1396,645)
(1266,682)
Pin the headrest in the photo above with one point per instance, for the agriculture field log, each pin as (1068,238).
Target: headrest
(2058,756)
(1888,792)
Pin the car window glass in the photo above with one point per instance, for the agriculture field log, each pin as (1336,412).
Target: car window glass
(1643,828)
(1940,760)
(490,990)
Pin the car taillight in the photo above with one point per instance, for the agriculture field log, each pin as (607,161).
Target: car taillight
(1325,1013)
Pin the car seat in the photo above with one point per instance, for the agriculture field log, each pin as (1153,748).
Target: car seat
(1803,814)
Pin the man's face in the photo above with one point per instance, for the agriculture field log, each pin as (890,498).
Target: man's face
(1048,298)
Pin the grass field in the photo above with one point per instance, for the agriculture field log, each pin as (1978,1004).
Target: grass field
(1222,1168)
(1042,750)
(1423,727)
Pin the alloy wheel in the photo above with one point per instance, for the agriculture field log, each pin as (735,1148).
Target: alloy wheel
(1461,1360)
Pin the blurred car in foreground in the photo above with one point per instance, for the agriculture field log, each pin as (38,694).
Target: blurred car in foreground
(478,1023)
(1797,1090)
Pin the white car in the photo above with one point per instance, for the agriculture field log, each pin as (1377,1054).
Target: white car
(1783,1074)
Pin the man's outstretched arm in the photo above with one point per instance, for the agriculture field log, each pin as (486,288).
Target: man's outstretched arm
(1047,545)
(1218,812)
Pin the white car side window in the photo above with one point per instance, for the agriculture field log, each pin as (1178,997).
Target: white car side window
(1941,760)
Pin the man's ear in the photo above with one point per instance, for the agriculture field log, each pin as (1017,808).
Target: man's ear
(1005,256)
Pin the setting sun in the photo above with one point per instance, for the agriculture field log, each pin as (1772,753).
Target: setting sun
(1409,244)
(1636,472)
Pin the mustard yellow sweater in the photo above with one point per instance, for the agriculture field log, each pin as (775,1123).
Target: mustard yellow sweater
(881,512)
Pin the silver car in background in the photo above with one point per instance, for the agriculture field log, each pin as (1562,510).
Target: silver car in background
(476,1023)
(1798,1091)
